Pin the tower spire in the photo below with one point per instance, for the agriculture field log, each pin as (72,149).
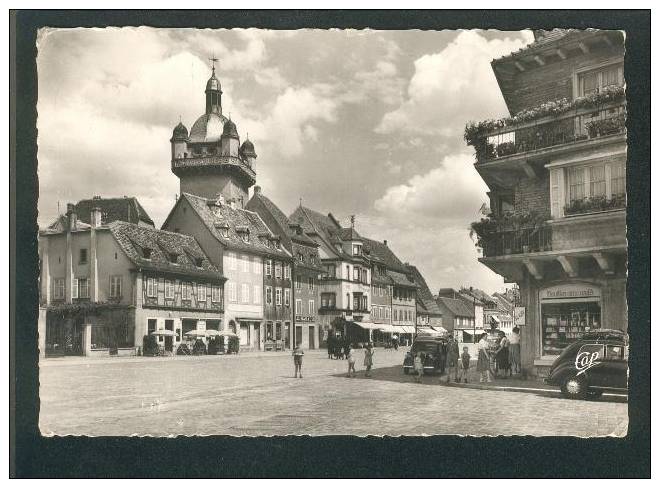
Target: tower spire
(213,91)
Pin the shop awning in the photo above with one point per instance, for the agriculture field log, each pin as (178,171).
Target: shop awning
(471,331)
(385,327)
(406,329)
(440,329)
(249,319)
(428,332)
(367,325)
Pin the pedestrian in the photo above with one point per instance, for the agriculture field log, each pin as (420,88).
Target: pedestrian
(368,359)
(419,366)
(502,355)
(350,358)
(465,365)
(395,342)
(514,350)
(452,358)
(297,360)
(483,360)
(331,345)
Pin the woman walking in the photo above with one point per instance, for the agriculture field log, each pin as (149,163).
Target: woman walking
(483,360)
(514,350)
(368,359)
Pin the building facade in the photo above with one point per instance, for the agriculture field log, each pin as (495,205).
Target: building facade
(557,178)
(105,286)
(428,312)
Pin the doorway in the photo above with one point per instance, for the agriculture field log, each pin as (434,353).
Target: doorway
(312,342)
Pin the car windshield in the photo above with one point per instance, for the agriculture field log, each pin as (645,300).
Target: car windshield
(427,346)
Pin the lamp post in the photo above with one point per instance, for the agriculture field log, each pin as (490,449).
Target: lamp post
(474,317)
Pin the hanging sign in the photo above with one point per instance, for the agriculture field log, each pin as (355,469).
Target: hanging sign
(519,315)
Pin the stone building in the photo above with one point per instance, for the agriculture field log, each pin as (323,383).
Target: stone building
(306,270)
(103,287)
(556,173)
(429,314)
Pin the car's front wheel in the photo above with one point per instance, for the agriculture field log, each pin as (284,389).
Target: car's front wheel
(574,387)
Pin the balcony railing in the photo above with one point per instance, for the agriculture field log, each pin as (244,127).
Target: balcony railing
(525,240)
(574,126)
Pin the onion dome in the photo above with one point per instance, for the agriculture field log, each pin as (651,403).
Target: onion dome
(247,149)
(229,130)
(213,84)
(207,128)
(180,132)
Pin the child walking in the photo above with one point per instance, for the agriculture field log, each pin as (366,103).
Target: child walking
(350,358)
(297,360)
(465,366)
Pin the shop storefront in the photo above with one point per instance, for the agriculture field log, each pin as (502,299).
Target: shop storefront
(567,312)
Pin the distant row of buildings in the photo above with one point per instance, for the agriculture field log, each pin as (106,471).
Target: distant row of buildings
(221,261)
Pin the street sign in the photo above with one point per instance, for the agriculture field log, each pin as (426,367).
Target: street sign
(519,315)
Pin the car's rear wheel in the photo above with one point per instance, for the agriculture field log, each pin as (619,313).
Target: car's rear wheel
(406,370)
(574,387)
(594,393)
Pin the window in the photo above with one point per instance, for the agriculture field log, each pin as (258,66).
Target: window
(245,260)
(597,181)
(256,294)
(269,295)
(387,313)
(310,283)
(287,272)
(216,296)
(269,267)
(245,236)
(301,257)
(224,231)
(278,269)
(348,272)
(186,288)
(146,252)
(328,300)
(82,258)
(232,291)
(115,286)
(356,250)
(169,289)
(298,282)
(287,297)
(595,81)
(565,323)
(364,276)
(201,292)
(173,257)
(151,287)
(152,325)
(614,352)
(310,307)
(365,303)
(80,289)
(256,264)
(356,302)
(348,300)
(278,296)
(618,179)
(356,274)
(58,288)
(245,293)
(575,184)
(233,264)
(298,306)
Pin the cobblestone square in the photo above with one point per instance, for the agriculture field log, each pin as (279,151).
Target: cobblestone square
(256,394)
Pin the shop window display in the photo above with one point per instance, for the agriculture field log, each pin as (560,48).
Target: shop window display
(565,323)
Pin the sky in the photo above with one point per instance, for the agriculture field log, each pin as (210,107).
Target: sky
(364,123)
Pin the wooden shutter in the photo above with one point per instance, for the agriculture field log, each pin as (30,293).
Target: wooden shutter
(557,192)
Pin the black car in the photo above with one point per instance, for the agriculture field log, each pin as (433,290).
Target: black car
(435,354)
(596,363)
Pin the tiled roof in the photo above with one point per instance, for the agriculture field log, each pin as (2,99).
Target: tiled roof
(215,215)
(457,306)
(424,294)
(279,217)
(479,295)
(61,223)
(324,226)
(349,234)
(113,209)
(547,39)
(384,254)
(400,279)
(163,245)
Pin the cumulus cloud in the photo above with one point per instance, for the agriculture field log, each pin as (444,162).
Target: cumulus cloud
(452,86)
(453,191)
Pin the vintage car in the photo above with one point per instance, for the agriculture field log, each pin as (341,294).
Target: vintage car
(596,363)
(435,354)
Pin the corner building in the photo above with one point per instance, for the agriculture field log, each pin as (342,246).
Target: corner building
(556,170)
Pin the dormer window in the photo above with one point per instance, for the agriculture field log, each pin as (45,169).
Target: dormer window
(301,257)
(146,252)
(198,262)
(245,236)
(173,257)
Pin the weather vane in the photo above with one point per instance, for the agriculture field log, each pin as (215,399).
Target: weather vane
(213,60)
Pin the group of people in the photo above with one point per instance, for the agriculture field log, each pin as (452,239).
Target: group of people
(346,351)
(457,364)
(502,355)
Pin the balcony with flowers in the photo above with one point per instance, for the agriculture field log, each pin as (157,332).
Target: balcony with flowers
(510,233)
(550,127)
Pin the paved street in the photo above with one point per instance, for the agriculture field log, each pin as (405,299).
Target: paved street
(257,395)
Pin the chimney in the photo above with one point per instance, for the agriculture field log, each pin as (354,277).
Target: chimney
(385,242)
(95,219)
(71,216)
(257,189)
